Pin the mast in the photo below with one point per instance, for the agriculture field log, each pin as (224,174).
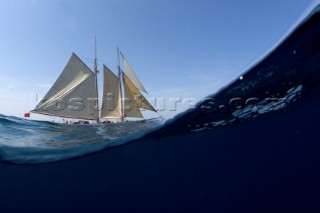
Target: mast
(96,74)
(120,87)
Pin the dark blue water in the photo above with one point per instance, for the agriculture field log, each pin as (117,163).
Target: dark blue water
(252,147)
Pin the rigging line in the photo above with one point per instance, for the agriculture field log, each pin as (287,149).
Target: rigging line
(106,52)
(89,61)
(110,60)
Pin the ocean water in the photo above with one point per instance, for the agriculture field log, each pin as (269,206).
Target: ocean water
(252,147)
(32,142)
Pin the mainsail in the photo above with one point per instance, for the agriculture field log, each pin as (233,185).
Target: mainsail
(111,105)
(73,95)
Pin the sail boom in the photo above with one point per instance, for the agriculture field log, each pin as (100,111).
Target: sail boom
(60,116)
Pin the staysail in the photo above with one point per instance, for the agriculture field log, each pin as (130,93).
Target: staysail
(73,95)
(132,76)
(111,105)
(134,100)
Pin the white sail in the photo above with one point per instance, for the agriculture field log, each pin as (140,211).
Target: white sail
(132,76)
(131,108)
(73,95)
(134,99)
(111,105)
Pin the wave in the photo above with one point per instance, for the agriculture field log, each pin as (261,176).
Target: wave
(273,84)
(31,142)
(283,77)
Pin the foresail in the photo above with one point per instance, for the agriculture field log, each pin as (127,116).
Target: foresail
(73,95)
(133,95)
(132,76)
(131,108)
(111,105)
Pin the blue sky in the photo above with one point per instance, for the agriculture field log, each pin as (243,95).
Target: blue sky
(178,48)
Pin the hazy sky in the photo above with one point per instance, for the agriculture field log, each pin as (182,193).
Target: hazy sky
(178,48)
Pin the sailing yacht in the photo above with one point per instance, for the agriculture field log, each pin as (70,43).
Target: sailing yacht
(75,93)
